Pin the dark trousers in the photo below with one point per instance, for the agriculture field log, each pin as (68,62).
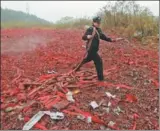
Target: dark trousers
(97,61)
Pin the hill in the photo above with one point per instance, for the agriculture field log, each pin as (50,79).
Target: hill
(12,18)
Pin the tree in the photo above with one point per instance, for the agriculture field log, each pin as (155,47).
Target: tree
(129,17)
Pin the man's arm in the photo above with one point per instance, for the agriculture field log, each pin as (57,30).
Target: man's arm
(104,37)
(87,34)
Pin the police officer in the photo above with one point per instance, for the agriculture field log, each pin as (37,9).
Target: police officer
(93,35)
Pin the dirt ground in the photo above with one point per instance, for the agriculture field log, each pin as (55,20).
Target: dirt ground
(130,70)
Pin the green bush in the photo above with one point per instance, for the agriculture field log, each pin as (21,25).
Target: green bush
(70,22)
(129,18)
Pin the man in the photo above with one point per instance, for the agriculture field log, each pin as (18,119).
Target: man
(93,36)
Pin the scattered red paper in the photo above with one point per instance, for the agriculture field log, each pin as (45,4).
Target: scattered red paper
(61,95)
(21,96)
(45,77)
(25,109)
(71,113)
(114,127)
(156,83)
(135,116)
(34,64)
(87,114)
(131,98)
(15,91)
(156,124)
(49,105)
(134,125)
(123,86)
(8,105)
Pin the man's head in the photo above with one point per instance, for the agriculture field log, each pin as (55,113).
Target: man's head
(96,21)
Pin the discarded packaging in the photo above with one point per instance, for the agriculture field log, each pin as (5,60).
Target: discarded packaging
(118,87)
(155,110)
(89,119)
(51,72)
(94,104)
(81,117)
(110,95)
(39,115)
(109,104)
(107,109)
(111,123)
(20,117)
(102,127)
(70,97)
(9,109)
(101,102)
(117,110)
(33,120)
(55,115)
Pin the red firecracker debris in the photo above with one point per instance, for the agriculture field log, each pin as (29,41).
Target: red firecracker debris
(131,98)
(27,55)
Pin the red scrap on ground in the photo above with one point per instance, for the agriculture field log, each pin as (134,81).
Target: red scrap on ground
(131,74)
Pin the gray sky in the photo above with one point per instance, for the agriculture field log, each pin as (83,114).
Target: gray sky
(54,10)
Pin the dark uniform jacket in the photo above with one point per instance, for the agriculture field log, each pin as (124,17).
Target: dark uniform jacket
(95,42)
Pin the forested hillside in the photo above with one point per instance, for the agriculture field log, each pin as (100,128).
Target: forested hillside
(12,17)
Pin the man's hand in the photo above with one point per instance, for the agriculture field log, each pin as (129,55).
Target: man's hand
(113,40)
(117,39)
(89,36)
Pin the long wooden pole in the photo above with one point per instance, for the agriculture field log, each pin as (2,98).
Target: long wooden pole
(86,53)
